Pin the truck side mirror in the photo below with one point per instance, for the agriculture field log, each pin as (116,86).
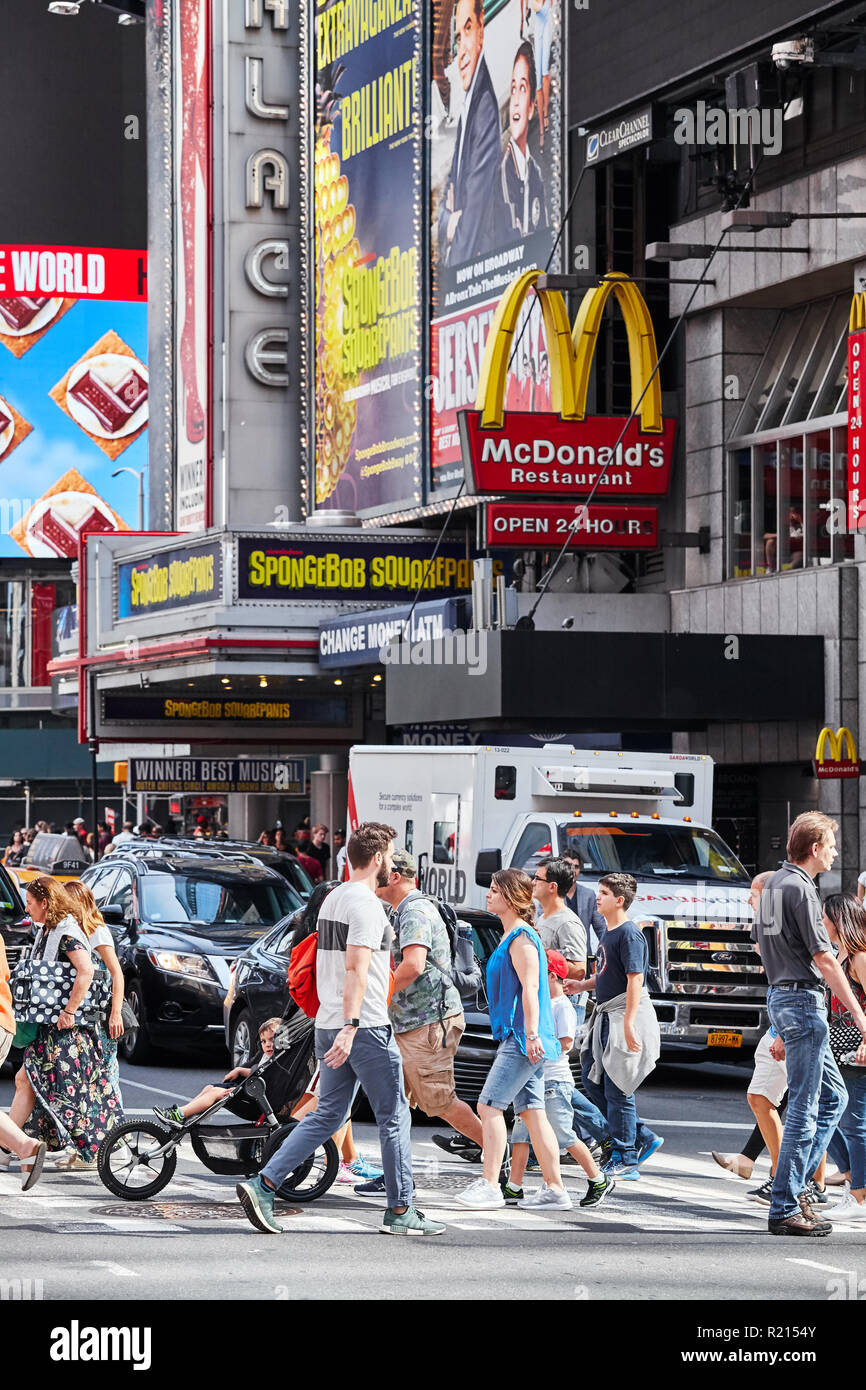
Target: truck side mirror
(488,863)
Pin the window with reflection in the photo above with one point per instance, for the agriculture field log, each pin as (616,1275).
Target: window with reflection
(787,457)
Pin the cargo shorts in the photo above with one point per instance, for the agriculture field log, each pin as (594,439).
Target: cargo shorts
(428,1064)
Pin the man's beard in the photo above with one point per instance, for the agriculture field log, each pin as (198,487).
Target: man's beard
(382,876)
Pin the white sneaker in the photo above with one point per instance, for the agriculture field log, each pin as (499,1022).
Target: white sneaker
(481,1195)
(7,1159)
(849,1209)
(545,1196)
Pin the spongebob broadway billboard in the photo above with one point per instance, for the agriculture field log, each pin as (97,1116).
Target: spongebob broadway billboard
(367,233)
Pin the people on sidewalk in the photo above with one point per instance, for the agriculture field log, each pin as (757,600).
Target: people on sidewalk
(797,956)
(558,1086)
(354,1040)
(521,1020)
(624,1043)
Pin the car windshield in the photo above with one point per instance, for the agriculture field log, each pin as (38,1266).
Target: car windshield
(199,901)
(651,851)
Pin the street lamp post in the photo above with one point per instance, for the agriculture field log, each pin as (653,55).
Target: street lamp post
(139,474)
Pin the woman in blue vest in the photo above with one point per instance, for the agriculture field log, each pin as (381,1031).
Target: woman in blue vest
(521,1020)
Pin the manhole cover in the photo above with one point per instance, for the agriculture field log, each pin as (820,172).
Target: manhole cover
(443,1182)
(189,1211)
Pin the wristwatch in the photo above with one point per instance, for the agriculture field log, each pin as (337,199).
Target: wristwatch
(351,1023)
(531,1037)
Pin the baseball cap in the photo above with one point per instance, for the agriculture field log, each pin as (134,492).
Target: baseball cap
(404,864)
(79,820)
(557,964)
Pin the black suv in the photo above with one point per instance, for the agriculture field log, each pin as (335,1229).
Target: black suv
(258,991)
(179,920)
(283,861)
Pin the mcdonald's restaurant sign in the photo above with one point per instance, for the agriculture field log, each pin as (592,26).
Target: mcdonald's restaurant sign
(836,765)
(856,360)
(561,454)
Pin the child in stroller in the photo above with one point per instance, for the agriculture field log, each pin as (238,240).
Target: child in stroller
(243,1106)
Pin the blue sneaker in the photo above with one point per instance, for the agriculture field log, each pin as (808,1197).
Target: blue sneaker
(363,1168)
(649,1149)
(257,1200)
(618,1168)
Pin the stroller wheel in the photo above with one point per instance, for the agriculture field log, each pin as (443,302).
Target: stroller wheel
(311,1178)
(128,1161)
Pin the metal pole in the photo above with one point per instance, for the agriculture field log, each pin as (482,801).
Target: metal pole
(27,805)
(141,500)
(93,745)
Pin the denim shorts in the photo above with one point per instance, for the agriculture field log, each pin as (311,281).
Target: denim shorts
(559,1111)
(513,1080)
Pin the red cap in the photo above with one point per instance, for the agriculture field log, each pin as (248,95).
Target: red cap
(557,964)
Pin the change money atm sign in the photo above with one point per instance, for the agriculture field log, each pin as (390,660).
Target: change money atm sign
(563,453)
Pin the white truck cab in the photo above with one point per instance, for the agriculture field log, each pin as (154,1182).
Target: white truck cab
(464,812)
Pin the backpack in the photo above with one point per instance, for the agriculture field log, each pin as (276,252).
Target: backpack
(464,972)
(302,975)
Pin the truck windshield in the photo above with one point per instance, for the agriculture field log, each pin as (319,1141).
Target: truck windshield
(651,851)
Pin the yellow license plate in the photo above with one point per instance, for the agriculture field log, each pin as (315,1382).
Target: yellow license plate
(724,1040)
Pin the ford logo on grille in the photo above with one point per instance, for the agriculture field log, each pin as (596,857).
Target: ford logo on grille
(724,957)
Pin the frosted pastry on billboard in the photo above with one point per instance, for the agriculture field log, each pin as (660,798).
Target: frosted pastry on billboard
(13,428)
(52,526)
(106,394)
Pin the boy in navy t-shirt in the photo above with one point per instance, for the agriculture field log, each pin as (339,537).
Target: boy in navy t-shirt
(620,970)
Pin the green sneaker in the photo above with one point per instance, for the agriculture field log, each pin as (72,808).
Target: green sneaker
(169,1114)
(410,1222)
(512,1195)
(257,1200)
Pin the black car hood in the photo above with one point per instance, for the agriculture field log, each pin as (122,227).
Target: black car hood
(207,940)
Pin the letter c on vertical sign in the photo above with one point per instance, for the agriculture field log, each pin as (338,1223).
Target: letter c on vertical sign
(276,183)
(255,274)
(261,358)
(254,96)
(279,10)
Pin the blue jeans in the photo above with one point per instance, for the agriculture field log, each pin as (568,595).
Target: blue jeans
(816,1092)
(513,1080)
(837,1149)
(853,1128)
(626,1130)
(375,1064)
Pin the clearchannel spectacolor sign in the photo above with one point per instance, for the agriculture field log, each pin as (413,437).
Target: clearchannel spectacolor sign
(563,454)
(615,137)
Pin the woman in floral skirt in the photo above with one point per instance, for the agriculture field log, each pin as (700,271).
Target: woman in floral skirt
(65,1065)
(101,944)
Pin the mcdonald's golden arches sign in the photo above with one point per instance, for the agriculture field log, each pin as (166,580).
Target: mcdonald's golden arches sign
(842,760)
(562,454)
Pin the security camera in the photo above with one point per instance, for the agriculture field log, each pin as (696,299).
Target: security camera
(793,51)
(568,623)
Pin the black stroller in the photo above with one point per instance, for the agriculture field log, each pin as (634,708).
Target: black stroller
(138,1157)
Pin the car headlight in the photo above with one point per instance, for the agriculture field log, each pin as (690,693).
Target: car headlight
(177,964)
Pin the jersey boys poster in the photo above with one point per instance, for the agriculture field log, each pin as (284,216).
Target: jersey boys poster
(367,275)
(495,172)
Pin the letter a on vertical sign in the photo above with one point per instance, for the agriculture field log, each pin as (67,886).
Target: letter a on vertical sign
(562,453)
(856,356)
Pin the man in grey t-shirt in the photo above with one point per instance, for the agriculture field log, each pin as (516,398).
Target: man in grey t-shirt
(796,953)
(354,1042)
(560,929)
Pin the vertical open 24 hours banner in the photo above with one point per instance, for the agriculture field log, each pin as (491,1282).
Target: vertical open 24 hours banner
(495,175)
(367,262)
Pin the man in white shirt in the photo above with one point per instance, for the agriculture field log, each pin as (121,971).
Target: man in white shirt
(354,1041)
(125,835)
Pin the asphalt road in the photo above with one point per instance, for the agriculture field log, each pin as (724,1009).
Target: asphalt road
(685,1230)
